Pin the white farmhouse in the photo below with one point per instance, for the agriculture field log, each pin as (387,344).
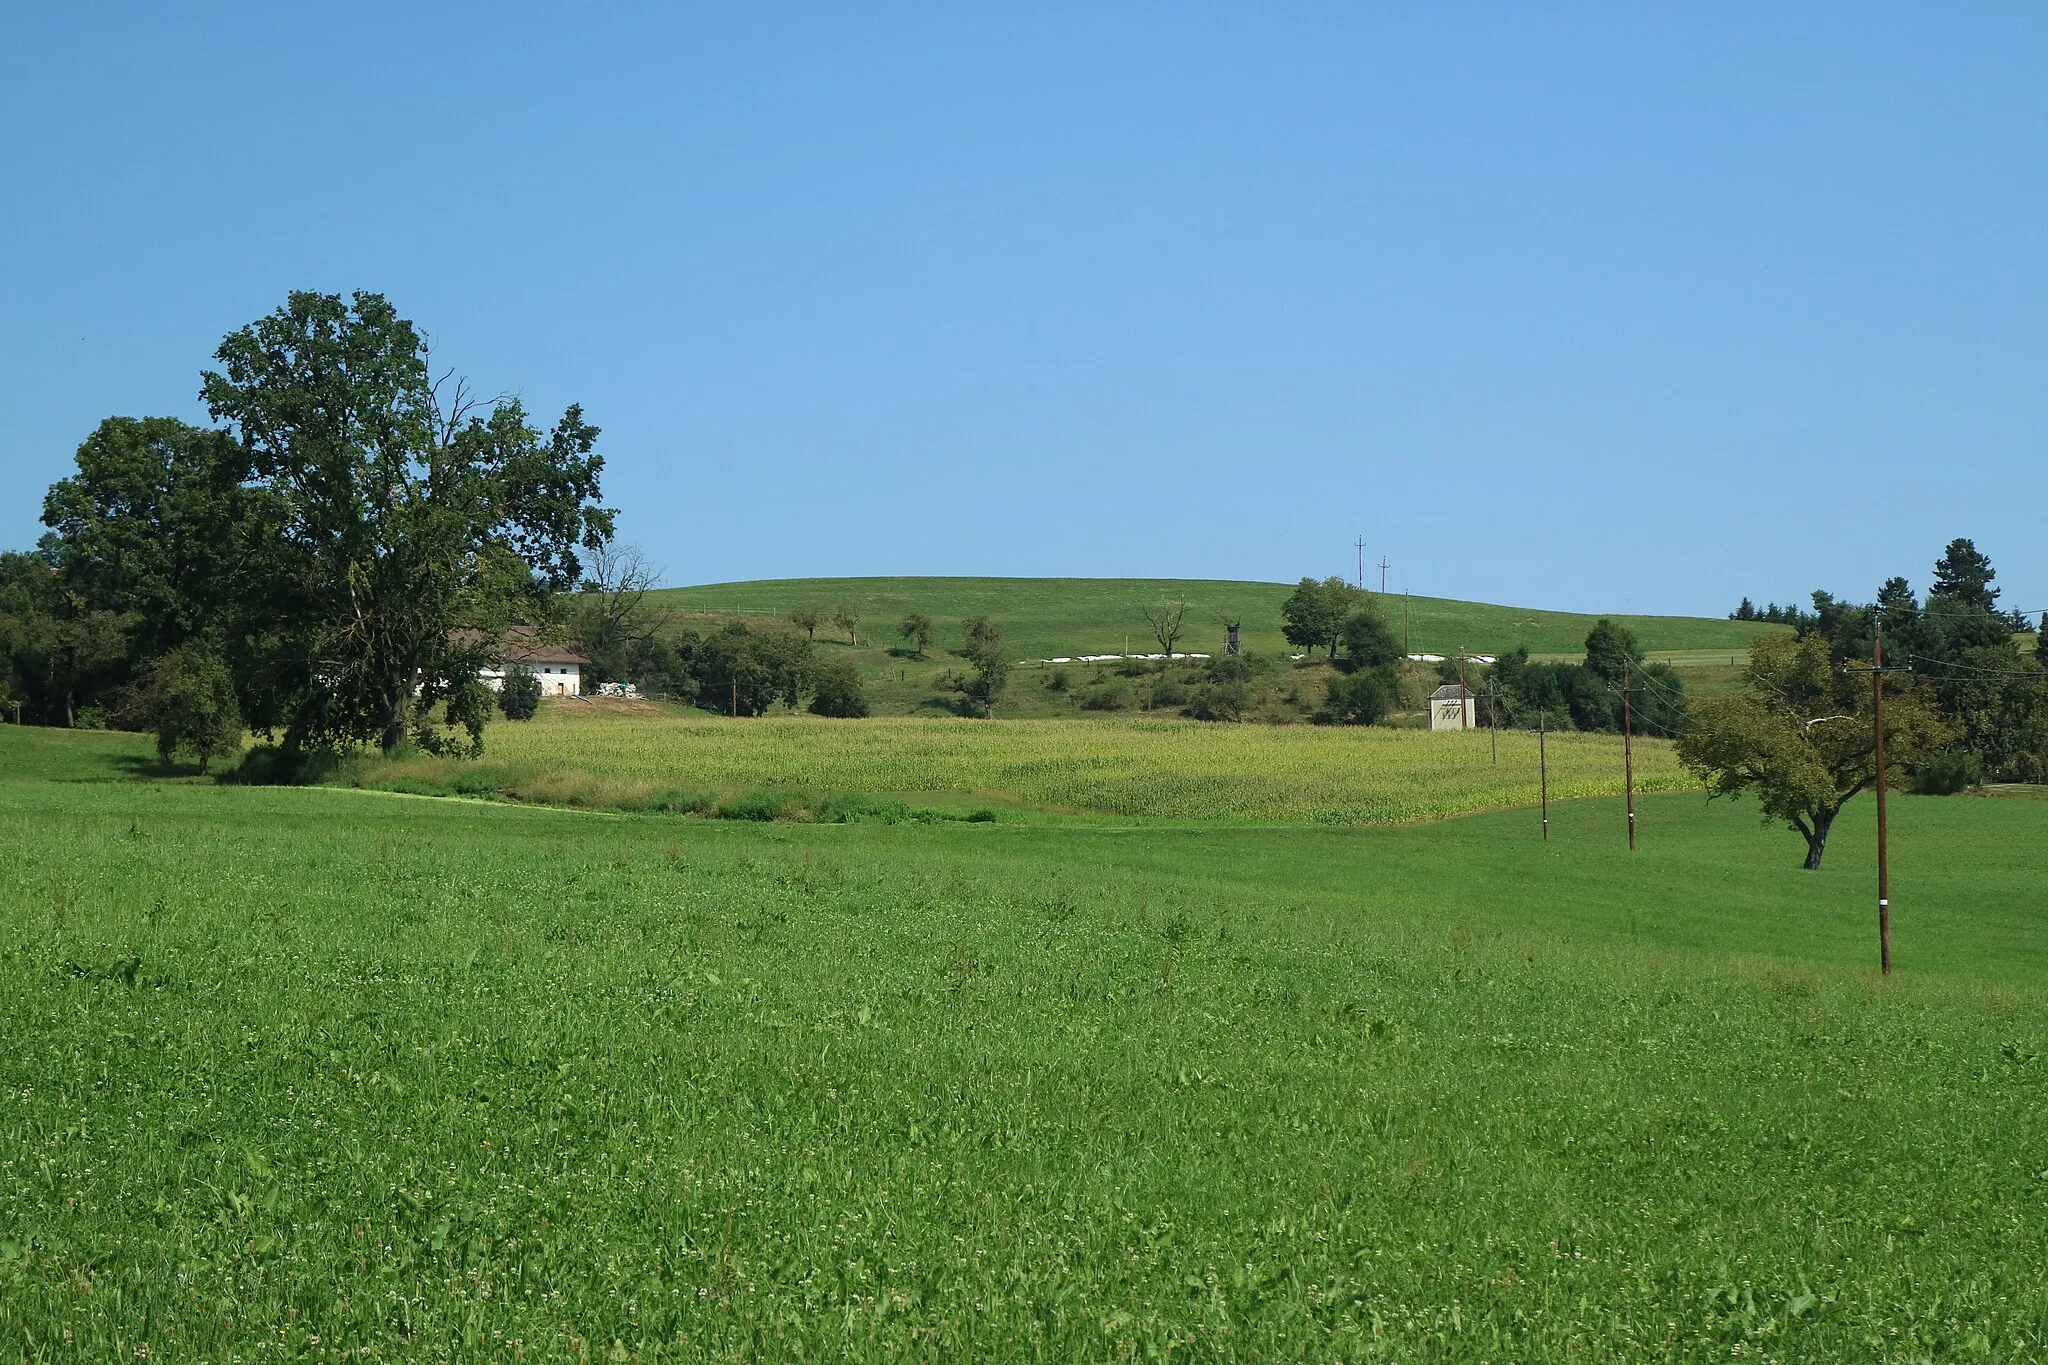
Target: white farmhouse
(559,668)
(1452,707)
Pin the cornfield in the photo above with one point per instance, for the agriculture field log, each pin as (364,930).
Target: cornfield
(1127,767)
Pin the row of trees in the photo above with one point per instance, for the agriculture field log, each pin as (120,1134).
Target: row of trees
(739,670)
(346,546)
(1588,695)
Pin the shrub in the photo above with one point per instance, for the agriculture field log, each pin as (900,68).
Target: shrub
(752,806)
(1360,698)
(187,699)
(1168,692)
(1059,680)
(273,765)
(1947,774)
(836,690)
(1234,668)
(1111,695)
(519,698)
(1221,701)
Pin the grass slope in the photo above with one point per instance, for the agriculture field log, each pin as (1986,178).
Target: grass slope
(324,1074)
(1049,617)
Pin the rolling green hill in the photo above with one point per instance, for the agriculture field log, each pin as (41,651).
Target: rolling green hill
(1048,617)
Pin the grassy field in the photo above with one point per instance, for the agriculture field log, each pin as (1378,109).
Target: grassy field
(1049,617)
(641,757)
(325,1074)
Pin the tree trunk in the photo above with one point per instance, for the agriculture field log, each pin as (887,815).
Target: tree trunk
(394,726)
(1817,837)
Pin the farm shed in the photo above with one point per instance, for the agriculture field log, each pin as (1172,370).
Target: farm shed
(1452,707)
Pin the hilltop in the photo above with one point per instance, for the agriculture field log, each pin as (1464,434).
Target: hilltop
(1048,617)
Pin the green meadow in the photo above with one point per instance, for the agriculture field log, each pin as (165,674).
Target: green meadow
(328,1073)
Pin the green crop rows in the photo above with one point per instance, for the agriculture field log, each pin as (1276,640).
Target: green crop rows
(1138,768)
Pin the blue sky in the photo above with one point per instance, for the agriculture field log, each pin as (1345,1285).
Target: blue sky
(1631,307)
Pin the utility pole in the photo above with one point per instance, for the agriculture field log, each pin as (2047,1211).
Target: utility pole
(1464,716)
(1383,578)
(735,698)
(1361,563)
(1628,757)
(1877,671)
(1493,721)
(1884,878)
(1543,767)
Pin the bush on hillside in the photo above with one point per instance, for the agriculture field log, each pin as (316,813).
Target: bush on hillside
(1109,695)
(1220,701)
(1360,698)
(519,698)
(1235,668)
(1168,691)
(836,690)
(1367,640)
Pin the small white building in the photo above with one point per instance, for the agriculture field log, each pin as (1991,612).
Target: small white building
(559,668)
(1452,707)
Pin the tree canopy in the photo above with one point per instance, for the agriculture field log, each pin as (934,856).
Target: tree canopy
(1802,736)
(1315,612)
(352,540)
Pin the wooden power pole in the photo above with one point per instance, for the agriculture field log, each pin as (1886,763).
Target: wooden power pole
(1628,757)
(1543,767)
(1884,879)
(1493,720)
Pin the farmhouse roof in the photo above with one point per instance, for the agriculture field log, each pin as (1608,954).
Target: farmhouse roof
(1450,692)
(522,645)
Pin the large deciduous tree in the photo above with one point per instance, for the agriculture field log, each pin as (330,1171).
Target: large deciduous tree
(1801,736)
(413,523)
(1314,613)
